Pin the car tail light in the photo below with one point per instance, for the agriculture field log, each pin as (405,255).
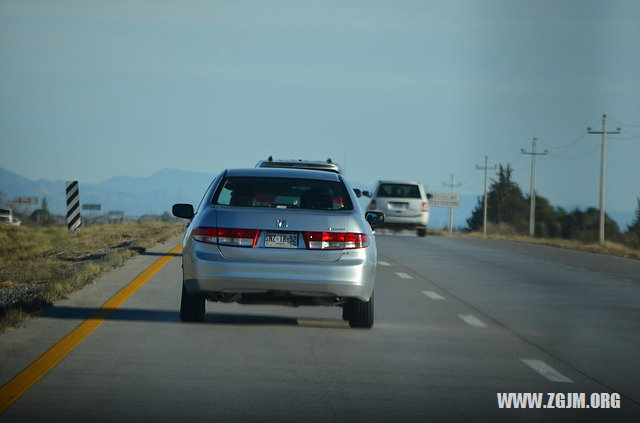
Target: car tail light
(205,234)
(226,236)
(372,205)
(335,240)
(425,206)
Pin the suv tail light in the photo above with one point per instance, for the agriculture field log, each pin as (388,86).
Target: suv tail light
(226,236)
(425,206)
(372,205)
(335,240)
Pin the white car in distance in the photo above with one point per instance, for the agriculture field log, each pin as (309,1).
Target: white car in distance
(405,205)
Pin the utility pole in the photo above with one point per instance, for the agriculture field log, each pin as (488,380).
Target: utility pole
(452,186)
(603,157)
(485,168)
(532,202)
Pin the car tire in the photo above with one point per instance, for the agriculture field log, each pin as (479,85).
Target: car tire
(191,306)
(347,310)
(421,232)
(360,313)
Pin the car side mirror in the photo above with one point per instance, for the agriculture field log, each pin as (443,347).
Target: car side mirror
(366,194)
(358,192)
(375,218)
(183,211)
(429,195)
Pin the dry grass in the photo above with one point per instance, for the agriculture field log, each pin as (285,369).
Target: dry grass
(610,248)
(50,262)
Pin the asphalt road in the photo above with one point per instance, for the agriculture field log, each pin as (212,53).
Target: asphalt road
(457,321)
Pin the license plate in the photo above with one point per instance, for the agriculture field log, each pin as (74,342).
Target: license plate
(281,239)
(398,205)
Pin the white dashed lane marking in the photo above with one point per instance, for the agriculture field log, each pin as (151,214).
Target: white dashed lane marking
(433,295)
(383,263)
(472,320)
(546,371)
(403,275)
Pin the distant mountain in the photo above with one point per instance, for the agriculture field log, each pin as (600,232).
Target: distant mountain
(13,185)
(156,193)
(133,195)
(178,182)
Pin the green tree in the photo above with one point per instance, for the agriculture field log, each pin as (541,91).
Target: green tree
(505,203)
(584,226)
(548,218)
(42,215)
(632,235)
(634,228)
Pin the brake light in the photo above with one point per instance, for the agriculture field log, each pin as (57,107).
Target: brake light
(425,206)
(204,234)
(335,240)
(227,236)
(372,205)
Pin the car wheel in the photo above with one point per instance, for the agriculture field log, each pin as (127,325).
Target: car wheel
(346,310)
(191,306)
(421,232)
(360,313)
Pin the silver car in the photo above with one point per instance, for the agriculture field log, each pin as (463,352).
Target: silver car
(405,205)
(279,236)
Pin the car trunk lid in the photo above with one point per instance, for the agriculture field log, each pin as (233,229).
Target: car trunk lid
(283,226)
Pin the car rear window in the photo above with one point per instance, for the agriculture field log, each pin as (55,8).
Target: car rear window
(399,191)
(286,193)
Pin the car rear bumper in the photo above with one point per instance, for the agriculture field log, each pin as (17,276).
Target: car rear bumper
(208,271)
(422,220)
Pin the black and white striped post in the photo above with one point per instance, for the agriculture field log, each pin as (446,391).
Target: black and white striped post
(73,206)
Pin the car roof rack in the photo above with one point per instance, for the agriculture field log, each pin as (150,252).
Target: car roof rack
(327,165)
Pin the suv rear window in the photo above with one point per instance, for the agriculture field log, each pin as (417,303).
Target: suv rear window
(399,191)
(286,193)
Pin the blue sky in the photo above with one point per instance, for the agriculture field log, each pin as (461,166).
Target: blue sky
(397,89)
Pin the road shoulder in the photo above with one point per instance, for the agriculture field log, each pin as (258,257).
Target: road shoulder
(22,345)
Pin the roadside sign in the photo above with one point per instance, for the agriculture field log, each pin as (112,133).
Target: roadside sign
(92,207)
(440,199)
(33,201)
(74,220)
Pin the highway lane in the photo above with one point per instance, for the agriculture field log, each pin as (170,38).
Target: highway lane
(582,308)
(454,321)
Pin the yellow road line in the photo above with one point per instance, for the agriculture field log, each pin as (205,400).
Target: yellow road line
(20,384)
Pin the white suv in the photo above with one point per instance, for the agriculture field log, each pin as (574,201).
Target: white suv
(5,216)
(404,203)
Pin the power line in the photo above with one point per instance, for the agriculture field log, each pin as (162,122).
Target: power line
(514,159)
(468,177)
(630,133)
(624,139)
(555,156)
(624,124)
(566,146)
